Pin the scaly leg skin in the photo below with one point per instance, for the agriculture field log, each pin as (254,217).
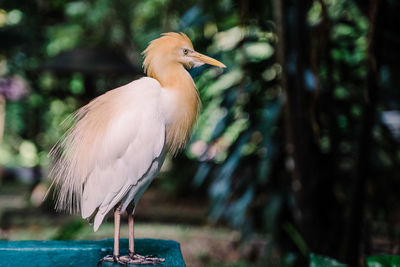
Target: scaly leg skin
(115,257)
(134,258)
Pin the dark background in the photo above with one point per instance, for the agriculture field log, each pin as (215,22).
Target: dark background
(296,150)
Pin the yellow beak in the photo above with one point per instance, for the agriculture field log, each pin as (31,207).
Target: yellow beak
(207,60)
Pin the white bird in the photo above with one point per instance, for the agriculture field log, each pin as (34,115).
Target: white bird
(118,142)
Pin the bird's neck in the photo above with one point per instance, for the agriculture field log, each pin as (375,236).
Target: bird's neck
(178,81)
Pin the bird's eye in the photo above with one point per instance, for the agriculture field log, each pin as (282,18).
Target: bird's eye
(185,51)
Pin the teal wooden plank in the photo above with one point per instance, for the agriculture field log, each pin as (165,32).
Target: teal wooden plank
(83,253)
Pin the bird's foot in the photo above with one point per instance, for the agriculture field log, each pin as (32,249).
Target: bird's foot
(134,258)
(111,258)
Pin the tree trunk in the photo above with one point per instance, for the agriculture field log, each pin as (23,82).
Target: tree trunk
(356,223)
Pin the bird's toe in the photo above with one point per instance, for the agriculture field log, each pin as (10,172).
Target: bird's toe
(112,258)
(134,258)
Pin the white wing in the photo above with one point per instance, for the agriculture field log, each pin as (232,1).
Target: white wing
(115,140)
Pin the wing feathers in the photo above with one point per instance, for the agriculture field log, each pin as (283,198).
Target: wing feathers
(113,142)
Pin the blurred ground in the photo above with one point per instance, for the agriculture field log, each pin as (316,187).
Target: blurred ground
(202,245)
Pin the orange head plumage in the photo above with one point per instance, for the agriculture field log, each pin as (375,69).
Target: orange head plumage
(166,60)
(172,50)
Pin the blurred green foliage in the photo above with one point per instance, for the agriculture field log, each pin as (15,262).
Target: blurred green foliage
(242,152)
(320,261)
(383,261)
(69,230)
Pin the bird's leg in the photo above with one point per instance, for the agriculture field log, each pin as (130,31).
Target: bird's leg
(117,226)
(131,233)
(117,223)
(133,257)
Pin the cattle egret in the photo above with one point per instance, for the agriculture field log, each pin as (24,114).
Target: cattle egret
(118,141)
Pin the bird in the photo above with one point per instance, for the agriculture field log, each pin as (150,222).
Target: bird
(117,143)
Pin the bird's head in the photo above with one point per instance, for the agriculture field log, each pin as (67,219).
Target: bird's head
(173,49)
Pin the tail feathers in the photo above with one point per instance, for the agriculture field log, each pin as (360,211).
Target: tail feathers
(98,219)
(95,219)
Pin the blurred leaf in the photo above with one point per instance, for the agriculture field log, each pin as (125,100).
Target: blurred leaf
(28,154)
(383,261)
(76,85)
(201,174)
(190,18)
(63,37)
(258,51)
(76,8)
(297,239)
(227,40)
(314,14)
(224,82)
(237,209)
(322,261)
